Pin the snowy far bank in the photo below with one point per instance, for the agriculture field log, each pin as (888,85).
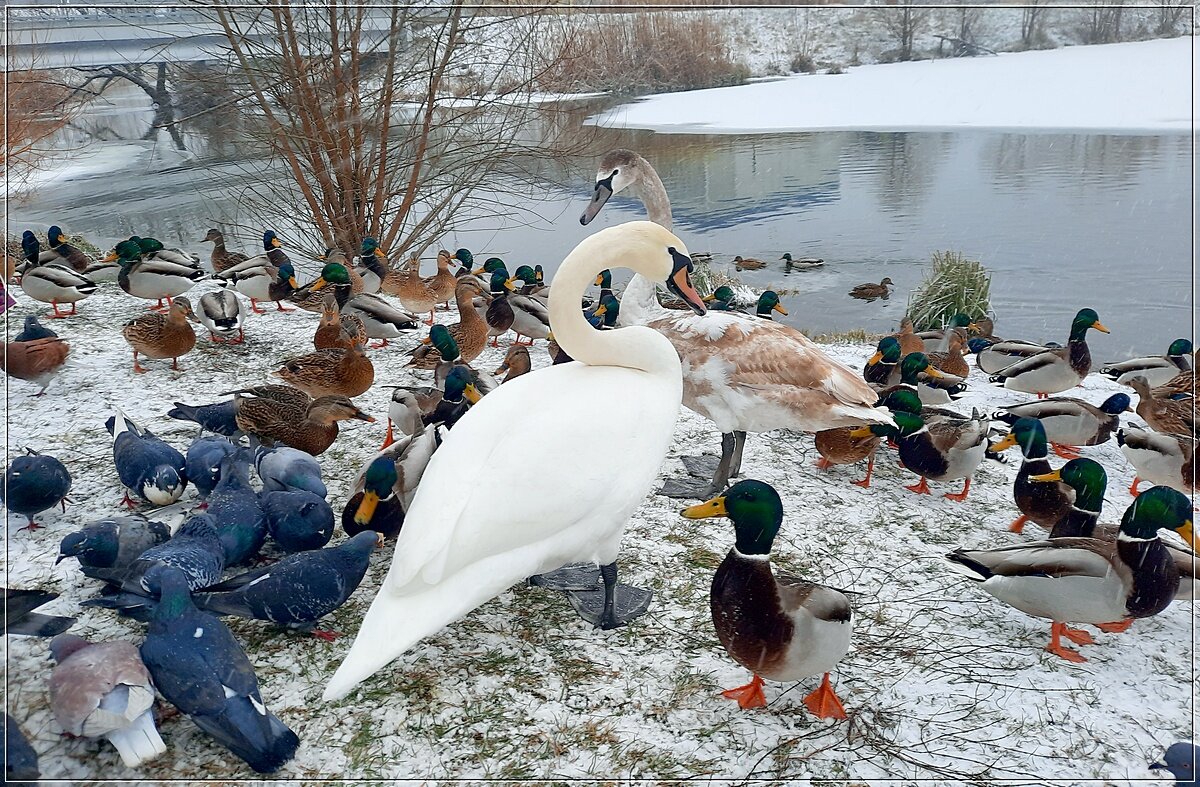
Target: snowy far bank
(1130,88)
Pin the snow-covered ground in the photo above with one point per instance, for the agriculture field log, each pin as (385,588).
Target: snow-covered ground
(942,683)
(1141,87)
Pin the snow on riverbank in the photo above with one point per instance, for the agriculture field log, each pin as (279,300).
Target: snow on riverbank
(941,682)
(1133,88)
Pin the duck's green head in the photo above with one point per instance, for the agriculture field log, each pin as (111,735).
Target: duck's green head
(55,236)
(912,365)
(1086,318)
(443,341)
(378,484)
(465,257)
(609,309)
(458,386)
(491,265)
(769,302)
(30,246)
(288,274)
(724,294)
(902,400)
(333,274)
(500,281)
(370,246)
(126,251)
(527,275)
(960,320)
(1086,477)
(755,509)
(906,424)
(787,256)
(1179,348)
(604,279)
(148,245)
(887,351)
(270,240)
(1027,433)
(1159,507)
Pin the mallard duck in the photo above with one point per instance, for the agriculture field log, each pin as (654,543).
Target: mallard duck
(156,335)
(531,284)
(332,372)
(604,282)
(1166,459)
(721,299)
(470,332)
(64,253)
(777,626)
(1088,479)
(304,423)
(1056,370)
(414,293)
(377,274)
(1157,370)
(153,249)
(938,341)
(742,374)
(909,342)
(1070,422)
(442,283)
(222,259)
(531,317)
(1086,580)
(498,314)
(1044,504)
(458,395)
(992,357)
(933,386)
(337,330)
(35,360)
(1171,416)
(953,361)
(55,284)
(152,279)
(748,263)
(386,486)
(516,363)
(769,302)
(882,369)
(804,263)
(267,277)
(871,291)
(943,448)
(609,311)
(1182,384)
(440,345)
(838,447)
(221,313)
(33,254)
(983,327)
(444,565)
(382,320)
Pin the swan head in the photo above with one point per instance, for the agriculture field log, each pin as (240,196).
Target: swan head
(619,169)
(756,512)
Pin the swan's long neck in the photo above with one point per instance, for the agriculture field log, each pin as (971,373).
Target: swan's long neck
(639,302)
(632,348)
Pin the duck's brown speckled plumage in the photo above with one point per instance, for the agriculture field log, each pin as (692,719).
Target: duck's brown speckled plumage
(157,335)
(303,423)
(331,372)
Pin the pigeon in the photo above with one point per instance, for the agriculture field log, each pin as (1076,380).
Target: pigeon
(34,483)
(298,590)
(239,516)
(1180,759)
(20,618)
(148,466)
(111,543)
(103,690)
(34,330)
(195,551)
(298,520)
(20,760)
(217,418)
(282,468)
(203,462)
(199,667)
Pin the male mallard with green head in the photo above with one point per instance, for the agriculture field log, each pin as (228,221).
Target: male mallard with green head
(769,302)
(1054,370)
(1044,504)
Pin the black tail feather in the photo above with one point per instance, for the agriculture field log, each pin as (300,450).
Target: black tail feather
(260,739)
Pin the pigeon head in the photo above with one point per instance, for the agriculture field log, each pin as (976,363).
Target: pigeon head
(164,487)
(62,646)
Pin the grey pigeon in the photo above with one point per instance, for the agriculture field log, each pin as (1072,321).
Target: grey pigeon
(103,690)
(239,516)
(112,543)
(284,468)
(20,618)
(298,520)
(1180,759)
(298,590)
(217,417)
(20,760)
(34,483)
(195,550)
(149,467)
(199,667)
(203,462)
(34,330)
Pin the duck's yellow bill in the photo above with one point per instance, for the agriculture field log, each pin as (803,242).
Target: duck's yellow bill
(874,359)
(275,242)
(478,272)
(599,280)
(112,256)
(1187,534)
(707,298)
(427,340)
(861,432)
(934,372)
(318,284)
(1054,475)
(472,395)
(1100,327)
(294,284)
(508,284)
(600,311)
(779,308)
(714,507)
(366,508)
(1004,443)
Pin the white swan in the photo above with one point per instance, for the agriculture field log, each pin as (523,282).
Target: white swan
(462,546)
(743,374)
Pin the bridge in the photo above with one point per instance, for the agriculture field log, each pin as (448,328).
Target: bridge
(66,36)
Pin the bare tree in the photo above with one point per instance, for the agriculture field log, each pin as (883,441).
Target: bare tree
(395,122)
(1170,14)
(1102,22)
(904,21)
(38,105)
(156,87)
(1032,17)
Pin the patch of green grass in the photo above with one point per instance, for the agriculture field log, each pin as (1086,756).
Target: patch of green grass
(953,285)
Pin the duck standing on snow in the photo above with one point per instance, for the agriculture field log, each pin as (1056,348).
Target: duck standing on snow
(461,546)
(153,470)
(291,417)
(777,626)
(882,369)
(1086,580)
(150,278)
(269,276)
(221,313)
(222,259)
(103,690)
(35,483)
(1167,459)
(938,340)
(63,253)
(1054,370)
(382,320)
(156,335)
(332,372)
(1044,504)
(386,486)
(743,375)
(1070,422)
(1157,370)
(50,282)
(1163,414)
(870,291)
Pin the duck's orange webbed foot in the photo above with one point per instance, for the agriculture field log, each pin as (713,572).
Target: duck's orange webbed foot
(1115,628)
(958,497)
(921,488)
(1018,524)
(824,703)
(748,696)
